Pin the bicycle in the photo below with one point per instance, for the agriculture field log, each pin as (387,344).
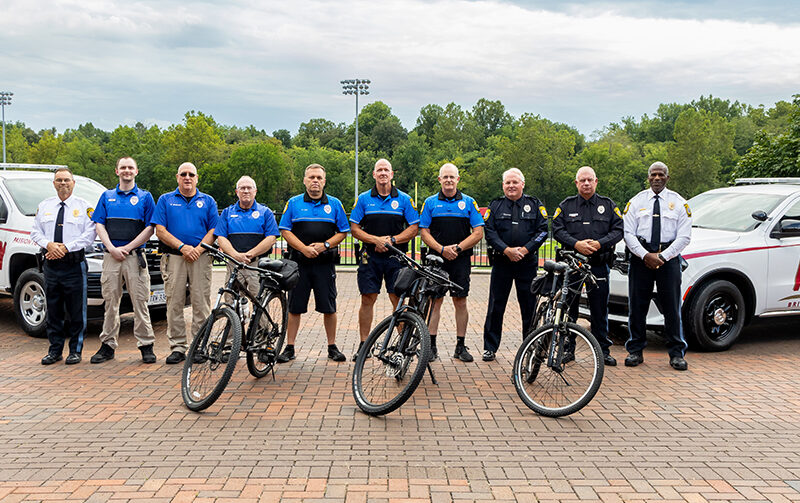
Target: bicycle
(393,359)
(227,331)
(553,375)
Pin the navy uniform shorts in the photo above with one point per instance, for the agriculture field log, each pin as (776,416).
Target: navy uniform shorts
(459,271)
(379,268)
(319,278)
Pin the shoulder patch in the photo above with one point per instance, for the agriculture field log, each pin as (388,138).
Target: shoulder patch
(475,204)
(557,213)
(486,215)
(423,207)
(688,211)
(286,207)
(413,204)
(627,207)
(89,212)
(616,210)
(543,211)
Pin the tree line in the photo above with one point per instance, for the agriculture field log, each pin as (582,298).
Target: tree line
(706,144)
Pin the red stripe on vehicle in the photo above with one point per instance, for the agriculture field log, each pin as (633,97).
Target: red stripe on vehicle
(740,250)
(14,230)
(797,279)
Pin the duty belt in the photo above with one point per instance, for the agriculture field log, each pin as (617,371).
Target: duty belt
(654,249)
(70,258)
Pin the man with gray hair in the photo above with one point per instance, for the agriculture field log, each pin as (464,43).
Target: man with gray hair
(516,226)
(658,226)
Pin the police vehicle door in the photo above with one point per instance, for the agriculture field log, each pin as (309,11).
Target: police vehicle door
(783,280)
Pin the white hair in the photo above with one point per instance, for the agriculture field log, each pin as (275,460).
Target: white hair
(448,165)
(246,178)
(513,171)
(658,164)
(585,168)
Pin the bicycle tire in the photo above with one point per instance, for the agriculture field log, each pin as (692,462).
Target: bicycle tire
(379,387)
(539,315)
(209,363)
(552,393)
(272,335)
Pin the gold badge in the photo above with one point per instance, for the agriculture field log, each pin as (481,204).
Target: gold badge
(672,206)
(76,212)
(557,213)
(616,210)
(89,212)
(688,211)
(543,211)
(627,207)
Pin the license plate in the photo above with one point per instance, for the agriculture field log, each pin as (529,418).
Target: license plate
(157,297)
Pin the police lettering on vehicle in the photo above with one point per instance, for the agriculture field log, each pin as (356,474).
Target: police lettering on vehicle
(122,214)
(189,220)
(384,216)
(245,228)
(314,221)
(450,220)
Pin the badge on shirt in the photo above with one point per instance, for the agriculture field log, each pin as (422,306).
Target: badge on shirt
(627,207)
(76,212)
(256,214)
(462,205)
(601,209)
(134,200)
(526,208)
(671,205)
(395,205)
(543,211)
(199,204)
(327,209)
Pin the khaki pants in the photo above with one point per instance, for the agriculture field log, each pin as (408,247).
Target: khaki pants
(137,281)
(177,272)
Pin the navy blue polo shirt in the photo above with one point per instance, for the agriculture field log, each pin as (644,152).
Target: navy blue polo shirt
(189,220)
(245,228)
(384,216)
(450,219)
(124,214)
(314,220)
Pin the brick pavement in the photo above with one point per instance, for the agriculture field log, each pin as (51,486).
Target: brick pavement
(727,430)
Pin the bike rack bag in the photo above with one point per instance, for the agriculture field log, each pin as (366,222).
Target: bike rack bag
(405,277)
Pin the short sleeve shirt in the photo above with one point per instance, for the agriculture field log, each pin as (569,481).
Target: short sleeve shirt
(450,220)
(314,220)
(384,216)
(189,220)
(124,214)
(245,228)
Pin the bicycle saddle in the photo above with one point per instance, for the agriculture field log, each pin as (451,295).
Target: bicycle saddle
(555,267)
(270,265)
(434,260)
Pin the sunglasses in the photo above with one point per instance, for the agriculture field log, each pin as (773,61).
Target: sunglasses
(188,173)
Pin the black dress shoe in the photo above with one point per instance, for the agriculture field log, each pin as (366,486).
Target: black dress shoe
(51,358)
(678,363)
(175,357)
(610,361)
(73,358)
(634,359)
(147,354)
(103,354)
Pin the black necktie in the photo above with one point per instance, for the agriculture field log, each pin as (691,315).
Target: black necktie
(514,223)
(655,232)
(59,234)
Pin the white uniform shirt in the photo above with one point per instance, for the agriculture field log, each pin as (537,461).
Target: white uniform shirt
(79,229)
(676,222)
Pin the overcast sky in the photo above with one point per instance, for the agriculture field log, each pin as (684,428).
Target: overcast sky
(277,64)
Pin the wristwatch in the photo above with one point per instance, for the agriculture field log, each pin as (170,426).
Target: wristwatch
(662,257)
(327,245)
(393,240)
(458,249)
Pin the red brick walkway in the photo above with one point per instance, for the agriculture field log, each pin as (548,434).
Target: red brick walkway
(729,429)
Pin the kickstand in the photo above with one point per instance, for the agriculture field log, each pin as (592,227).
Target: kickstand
(433,377)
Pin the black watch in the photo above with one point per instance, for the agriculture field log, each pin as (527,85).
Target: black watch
(327,245)
(458,249)
(393,240)
(662,257)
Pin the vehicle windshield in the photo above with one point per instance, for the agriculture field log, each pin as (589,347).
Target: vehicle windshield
(728,211)
(29,192)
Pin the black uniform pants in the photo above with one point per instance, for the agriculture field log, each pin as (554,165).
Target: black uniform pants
(504,273)
(65,287)
(667,280)
(597,296)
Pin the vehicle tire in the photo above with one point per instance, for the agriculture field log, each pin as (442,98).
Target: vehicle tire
(211,359)
(382,383)
(716,315)
(555,393)
(30,303)
(268,331)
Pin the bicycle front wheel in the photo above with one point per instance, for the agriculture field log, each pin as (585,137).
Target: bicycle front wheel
(269,331)
(385,377)
(567,387)
(211,359)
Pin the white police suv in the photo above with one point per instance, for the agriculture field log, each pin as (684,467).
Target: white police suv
(21,191)
(743,261)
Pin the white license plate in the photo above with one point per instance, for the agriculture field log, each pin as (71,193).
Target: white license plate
(157,297)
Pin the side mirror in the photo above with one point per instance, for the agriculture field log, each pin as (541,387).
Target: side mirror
(759,215)
(787,227)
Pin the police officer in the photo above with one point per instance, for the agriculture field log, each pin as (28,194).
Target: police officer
(450,226)
(246,231)
(591,225)
(63,228)
(516,226)
(658,226)
(184,218)
(381,215)
(313,224)
(123,218)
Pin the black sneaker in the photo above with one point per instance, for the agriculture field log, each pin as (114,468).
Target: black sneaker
(103,354)
(434,352)
(488,356)
(678,363)
(175,357)
(609,361)
(462,354)
(336,355)
(286,356)
(634,359)
(355,355)
(147,354)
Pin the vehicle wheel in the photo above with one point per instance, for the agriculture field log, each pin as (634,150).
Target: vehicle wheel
(30,303)
(211,359)
(268,333)
(563,390)
(716,315)
(384,380)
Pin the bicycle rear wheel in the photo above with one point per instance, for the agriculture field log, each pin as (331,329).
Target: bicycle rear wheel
(211,359)
(269,331)
(382,383)
(565,389)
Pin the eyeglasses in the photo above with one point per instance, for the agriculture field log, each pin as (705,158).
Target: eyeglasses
(188,173)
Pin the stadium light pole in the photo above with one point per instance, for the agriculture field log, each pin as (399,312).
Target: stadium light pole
(5,99)
(356,87)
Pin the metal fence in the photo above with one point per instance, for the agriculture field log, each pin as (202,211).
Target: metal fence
(480,257)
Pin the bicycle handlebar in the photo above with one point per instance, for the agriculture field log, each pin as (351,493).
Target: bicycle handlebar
(224,256)
(422,269)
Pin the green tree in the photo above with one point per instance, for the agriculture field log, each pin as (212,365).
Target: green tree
(17,148)
(196,140)
(775,155)
(284,136)
(47,149)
